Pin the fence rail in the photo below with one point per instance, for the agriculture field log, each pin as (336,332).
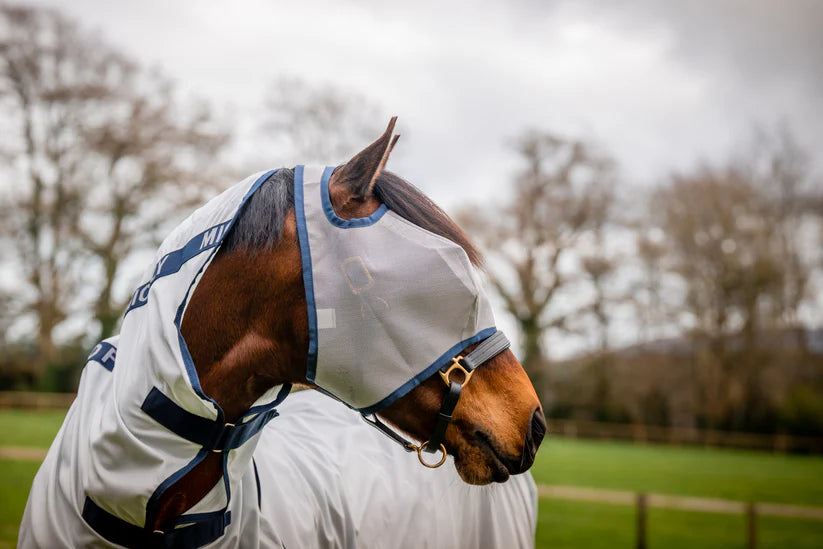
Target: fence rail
(642,501)
(778,442)
(31,400)
(560,427)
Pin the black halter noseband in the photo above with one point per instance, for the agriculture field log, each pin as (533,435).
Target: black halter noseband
(488,349)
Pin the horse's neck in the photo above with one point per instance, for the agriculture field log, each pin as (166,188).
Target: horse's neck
(246,330)
(246,326)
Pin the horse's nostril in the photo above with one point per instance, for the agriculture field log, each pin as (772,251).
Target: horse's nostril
(538,428)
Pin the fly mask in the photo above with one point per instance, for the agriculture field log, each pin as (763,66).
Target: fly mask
(389,303)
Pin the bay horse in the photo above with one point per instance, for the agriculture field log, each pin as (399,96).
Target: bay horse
(246,332)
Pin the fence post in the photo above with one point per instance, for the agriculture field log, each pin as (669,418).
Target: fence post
(641,520)
(751,526)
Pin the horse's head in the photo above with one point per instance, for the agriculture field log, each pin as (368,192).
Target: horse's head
(498,422)
(281,284)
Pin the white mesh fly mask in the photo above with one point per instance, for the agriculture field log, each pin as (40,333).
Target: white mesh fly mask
(389,303)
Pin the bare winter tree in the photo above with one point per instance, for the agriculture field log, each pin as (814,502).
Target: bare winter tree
(779,167)
(561,194)
(317,123)
(735,238)
(157,163)
(648,297)
(100,153)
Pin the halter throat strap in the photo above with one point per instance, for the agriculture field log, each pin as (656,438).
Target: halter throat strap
(485,351)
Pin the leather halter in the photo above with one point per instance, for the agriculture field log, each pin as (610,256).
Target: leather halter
(488,349)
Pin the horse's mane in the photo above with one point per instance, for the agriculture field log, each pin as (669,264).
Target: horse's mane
(260,222)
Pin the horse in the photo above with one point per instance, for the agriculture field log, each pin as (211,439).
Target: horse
(166,452)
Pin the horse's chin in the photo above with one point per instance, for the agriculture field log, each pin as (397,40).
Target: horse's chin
(479,464)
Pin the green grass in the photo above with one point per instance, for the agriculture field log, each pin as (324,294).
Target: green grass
(29,428)
(583,525)
(572,524)
(702,472)
(14,491)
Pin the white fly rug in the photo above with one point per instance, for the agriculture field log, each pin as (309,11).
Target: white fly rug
(316,476)
(320,477)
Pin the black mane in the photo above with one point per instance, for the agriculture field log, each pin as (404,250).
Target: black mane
(260,222)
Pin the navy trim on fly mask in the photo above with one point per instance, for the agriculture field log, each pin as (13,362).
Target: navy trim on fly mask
(305,248)
(308,278)
(308,284)
(488,349)
(328,209)
(428,372)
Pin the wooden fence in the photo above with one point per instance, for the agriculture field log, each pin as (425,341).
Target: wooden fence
(642,501)
(558,427)
(679,435)
(35,400)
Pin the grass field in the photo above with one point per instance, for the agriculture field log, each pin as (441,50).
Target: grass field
(29,428)
(694,471)
(732,474)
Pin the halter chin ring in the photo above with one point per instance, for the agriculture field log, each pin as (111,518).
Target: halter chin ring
(431,465)
(456,365)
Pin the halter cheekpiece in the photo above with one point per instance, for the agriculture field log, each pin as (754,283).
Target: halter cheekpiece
(465,365)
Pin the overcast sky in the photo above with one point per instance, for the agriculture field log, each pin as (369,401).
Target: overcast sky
(658,84)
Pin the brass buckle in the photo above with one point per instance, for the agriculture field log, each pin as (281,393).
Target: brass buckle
(467,375)
(220,450)
(431,465)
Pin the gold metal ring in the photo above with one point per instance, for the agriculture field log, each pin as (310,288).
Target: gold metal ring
(429,465)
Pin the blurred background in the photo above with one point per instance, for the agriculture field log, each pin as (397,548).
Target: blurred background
(645,178)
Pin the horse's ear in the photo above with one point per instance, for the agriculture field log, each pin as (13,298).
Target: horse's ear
(359,174)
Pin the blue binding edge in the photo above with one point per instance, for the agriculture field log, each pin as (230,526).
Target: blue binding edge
(151,511)
(191,371)
(305,248)
(428,372)
(174,260)
(105,354)
(305,259)
(217,520)
(174,418)
(184,350)
(201,529)
(339,221)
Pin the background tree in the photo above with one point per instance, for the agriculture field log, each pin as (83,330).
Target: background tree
(648,288)
(158,161)
(779,167)
(315,123)
(100,153)
(734,238)
(561,193)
